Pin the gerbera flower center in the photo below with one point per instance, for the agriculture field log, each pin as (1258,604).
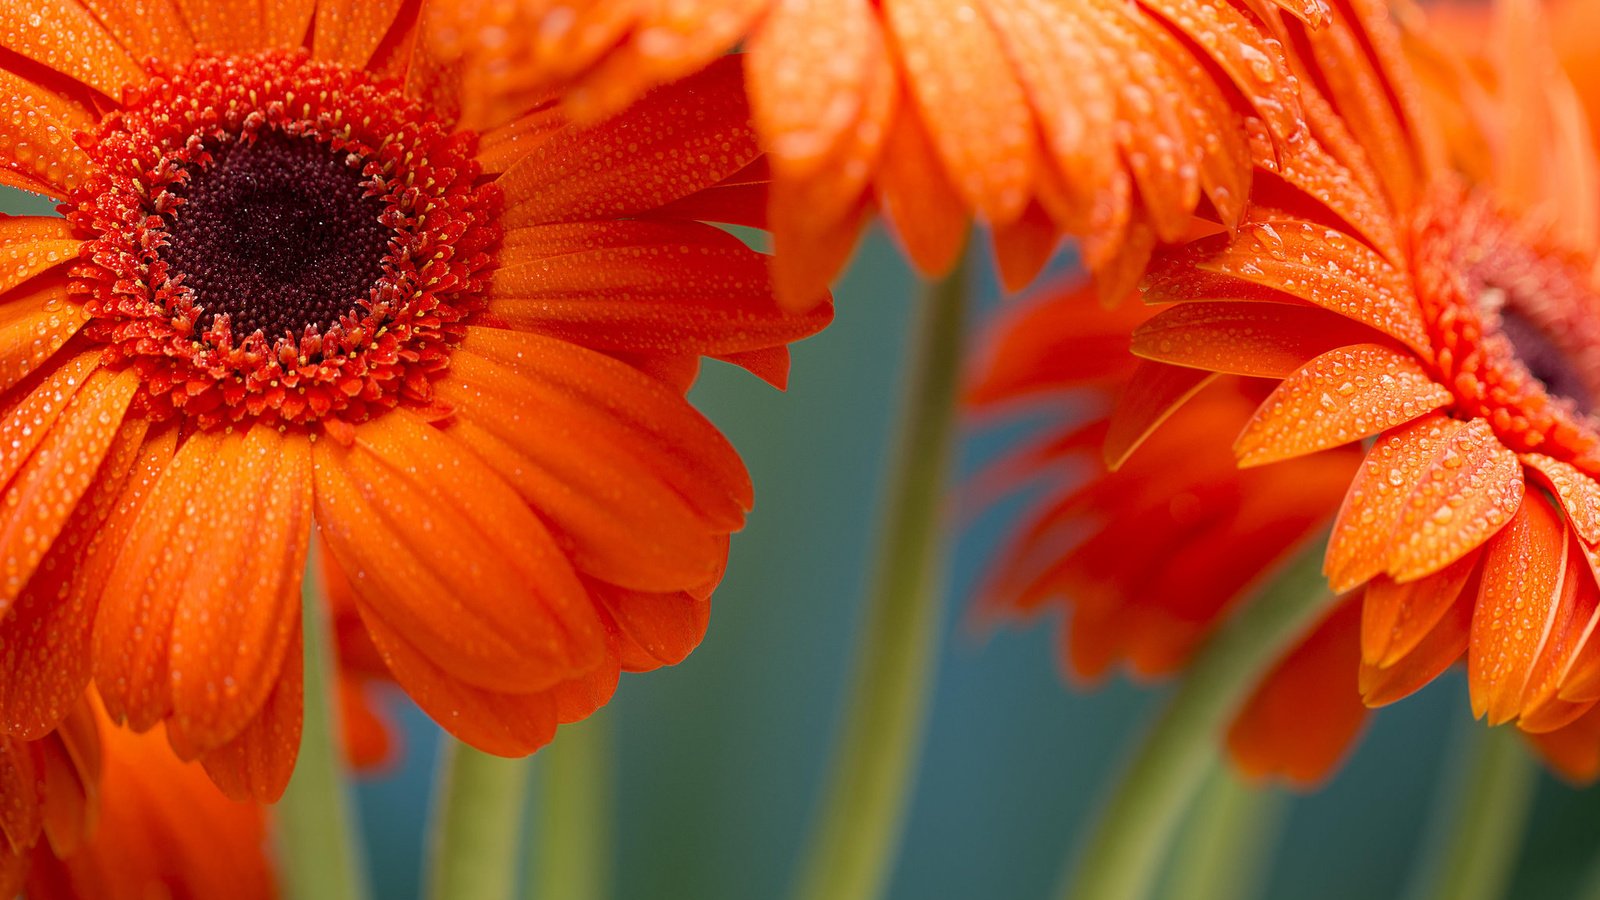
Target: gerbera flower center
(1547,362)
(277,233)
(276,238)
(1516,329)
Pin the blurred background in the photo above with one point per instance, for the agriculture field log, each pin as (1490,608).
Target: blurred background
(717,761)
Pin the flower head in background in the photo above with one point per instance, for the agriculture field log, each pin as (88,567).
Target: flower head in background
(1152,554)
(96,812)
(1420,274)
(1097,119)
(1148,558)
(290,290)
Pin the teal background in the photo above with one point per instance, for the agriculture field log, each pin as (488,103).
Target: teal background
(719,759)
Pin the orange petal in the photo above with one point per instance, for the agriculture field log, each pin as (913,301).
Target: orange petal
(686,451)
(71,796)
(1119,259)
(27,412)
(1365,97)
(577,42)
(1577,614)
(1574,750)
(452,558)
(1059,67)
(503,724)
(678,372)
(809,69)
(1236,44)
(1202,576)
(669,41)
(817,204)
(1308,183)
(164,830)
(807,253)
(1153,393)
(90,575)
(728,204)
(770,364)
(47,634)
(37,149)
(1432,655)
(675,141)
(1303,259)
(405,56)
(1273,735)
(659,629)
(33,244)
(21,793)
(133,629)
(369,743)
(63,36)
(1427,494)
(1399,462)
(229,26)
(651,287)
(256,764)
(970,102)
(1155,101)
(919,202)
(288,22)
(15,868)
(47,486)
(1448,516)
(1523,569)
(652,542)
(1577,492)
(240,601)
(1268,340)
(1059,340)
(658,540)
(1212,134)
(1341,396)
(153,28)
(1396,616)
(36,319)
(1581,681)
(501,148)
(1023,248)
(348,31)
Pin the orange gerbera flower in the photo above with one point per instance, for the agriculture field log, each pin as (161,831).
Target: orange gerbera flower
(289,290)
(1097,119)
(1149,554)
(1457,327)
(1150,539)
(113,815)
(161,829)
(1420,272)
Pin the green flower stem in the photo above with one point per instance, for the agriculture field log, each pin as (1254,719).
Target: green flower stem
(476,831)
(1589,888)
(316,830)
(1124,855)
(572,845)
(1226,841)
(857,835)
(1478,821)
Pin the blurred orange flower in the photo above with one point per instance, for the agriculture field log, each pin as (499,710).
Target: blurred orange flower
(95,812)
(1150,553)
(1107,120)
(1420,272)
(289,290)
